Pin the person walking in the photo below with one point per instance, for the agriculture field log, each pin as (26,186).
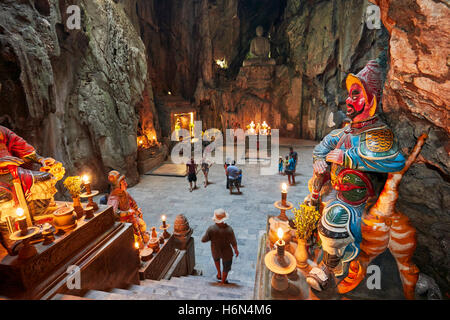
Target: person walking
(290,170)
(223,241)
(205,165)
(191,170)
(293,154)
(233,174)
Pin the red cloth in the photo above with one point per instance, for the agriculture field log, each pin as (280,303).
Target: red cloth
(13,145)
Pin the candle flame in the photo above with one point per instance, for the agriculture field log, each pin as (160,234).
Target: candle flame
(222,63)
(284,187)
(85,179)
(19,212)
(280,233)
(163,218)
(136,245)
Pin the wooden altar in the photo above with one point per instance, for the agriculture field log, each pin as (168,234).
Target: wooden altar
(101,247)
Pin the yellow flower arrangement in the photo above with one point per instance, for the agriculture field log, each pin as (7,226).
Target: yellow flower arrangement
(305,220)
(73,184)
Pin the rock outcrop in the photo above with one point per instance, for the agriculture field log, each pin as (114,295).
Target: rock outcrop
(416,98)
(74,94)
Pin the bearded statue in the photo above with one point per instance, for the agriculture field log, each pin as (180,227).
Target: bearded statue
(351,165)
(126,207)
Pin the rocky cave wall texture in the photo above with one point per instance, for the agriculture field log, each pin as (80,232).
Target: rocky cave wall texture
(77,94)
(416,98)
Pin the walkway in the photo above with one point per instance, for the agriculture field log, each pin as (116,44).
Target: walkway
(158,195)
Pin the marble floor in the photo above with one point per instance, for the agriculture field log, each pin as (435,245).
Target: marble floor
(158,195)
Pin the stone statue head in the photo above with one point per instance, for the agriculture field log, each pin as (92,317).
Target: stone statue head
(364,92)
(259,31)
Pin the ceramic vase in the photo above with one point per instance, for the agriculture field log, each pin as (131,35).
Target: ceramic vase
(301,254)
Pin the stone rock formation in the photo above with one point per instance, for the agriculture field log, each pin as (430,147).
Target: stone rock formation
(74,93)
(416,98)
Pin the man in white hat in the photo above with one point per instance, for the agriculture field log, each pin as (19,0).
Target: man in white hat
(222,240)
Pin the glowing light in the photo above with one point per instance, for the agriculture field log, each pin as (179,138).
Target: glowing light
(19,212)
(284,187)
(85,179)
(280,234)
(169,93)
(222,63)
(136,245)
(163,218)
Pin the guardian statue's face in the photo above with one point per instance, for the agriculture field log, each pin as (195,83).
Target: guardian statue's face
(358,109)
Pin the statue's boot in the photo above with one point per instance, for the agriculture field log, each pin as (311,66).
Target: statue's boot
(320,278)
(356,274)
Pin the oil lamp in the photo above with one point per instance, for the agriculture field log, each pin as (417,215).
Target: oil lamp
(89,194)
(87,183)
(22,221)
(281,263)
(164,227)
(24,233)
(283,194)
(283,205)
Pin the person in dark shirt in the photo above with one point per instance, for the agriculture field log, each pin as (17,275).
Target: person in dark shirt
(234,176)
(191,168)
(290,170)
(222,240)
(293,154)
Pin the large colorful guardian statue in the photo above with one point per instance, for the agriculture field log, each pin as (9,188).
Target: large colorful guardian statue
(351,166)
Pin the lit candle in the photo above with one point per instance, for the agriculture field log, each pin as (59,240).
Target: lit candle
(163,218)
(283,194)
(22,221)
(280,243)
(136,245)
(87,184)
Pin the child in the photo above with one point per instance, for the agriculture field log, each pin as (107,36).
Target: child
(280,165)
(286,163)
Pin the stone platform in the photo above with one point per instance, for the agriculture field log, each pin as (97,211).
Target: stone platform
(390,289)
(170,170)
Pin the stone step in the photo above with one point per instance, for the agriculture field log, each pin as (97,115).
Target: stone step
(212,281)
(187,293)
(192,287)
(60,296)
(125,295)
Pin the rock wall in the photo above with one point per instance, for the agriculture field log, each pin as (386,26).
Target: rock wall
(323,41)
(416,98)
(314,45)
(74,94)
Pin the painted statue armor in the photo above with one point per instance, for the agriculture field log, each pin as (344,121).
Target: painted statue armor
(367,151)
(351,166)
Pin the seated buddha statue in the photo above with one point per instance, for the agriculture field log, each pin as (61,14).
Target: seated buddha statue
(259,50)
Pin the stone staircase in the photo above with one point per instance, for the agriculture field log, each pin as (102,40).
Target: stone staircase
(177,288)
